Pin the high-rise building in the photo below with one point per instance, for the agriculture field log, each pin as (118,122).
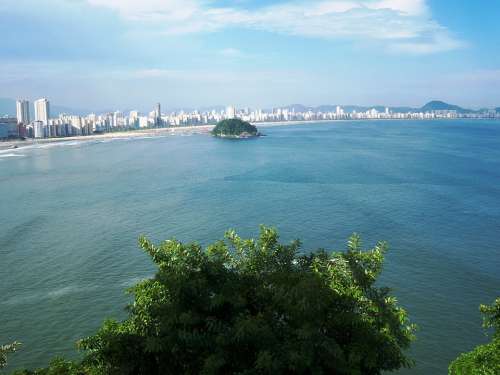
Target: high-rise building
(157,114)
(230,112)
(38,129)
(42,111)
(23,112)
(8,128)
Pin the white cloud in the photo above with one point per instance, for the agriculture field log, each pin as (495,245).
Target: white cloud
(404,26)
(165,10)
(438,41)
(405,7)
(484,76)
(231,53)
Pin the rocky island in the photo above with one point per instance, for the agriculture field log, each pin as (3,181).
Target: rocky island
(235,128)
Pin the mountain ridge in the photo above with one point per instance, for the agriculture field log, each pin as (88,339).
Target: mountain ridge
(434,105)
(8,107)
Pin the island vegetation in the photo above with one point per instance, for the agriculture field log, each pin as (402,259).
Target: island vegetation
(234,128)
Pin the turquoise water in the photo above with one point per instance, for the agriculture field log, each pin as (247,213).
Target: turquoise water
(70,216)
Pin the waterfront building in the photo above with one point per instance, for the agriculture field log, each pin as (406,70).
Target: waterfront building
(143,121)
(42,110)
(23,112)
(8,128)
(157,115)
(38,129)
(230,112)
(117,119)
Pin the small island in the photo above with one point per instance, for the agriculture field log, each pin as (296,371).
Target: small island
(235,128)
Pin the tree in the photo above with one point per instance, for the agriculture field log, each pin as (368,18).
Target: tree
(234,128)
(245,306)
(484,359)
(59,366)
(6,349)
(256,307)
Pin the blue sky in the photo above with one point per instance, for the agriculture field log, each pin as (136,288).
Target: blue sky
(114,54)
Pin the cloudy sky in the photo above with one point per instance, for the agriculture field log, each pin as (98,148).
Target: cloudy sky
(117,54)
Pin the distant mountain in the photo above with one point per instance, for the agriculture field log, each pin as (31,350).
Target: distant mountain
(346,108)
(55,110)
(437,105)
(434,105)
(8,108)
(402,109)
(298,108)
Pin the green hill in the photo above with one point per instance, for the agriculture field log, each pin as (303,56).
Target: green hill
(234,128)
(437,105)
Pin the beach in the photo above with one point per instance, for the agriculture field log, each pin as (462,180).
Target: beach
(138,133)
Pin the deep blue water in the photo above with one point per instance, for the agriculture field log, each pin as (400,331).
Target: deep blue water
(70,216)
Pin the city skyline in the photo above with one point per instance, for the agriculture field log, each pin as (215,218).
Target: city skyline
(252,52)
(23,107)
(68,125)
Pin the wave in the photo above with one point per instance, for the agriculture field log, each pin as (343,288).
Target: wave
(30,298)
(59,144)
(11,155)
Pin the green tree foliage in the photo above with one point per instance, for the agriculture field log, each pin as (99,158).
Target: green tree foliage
(245,306)
(234,128)
(59,366)
(256,307)
(484,359)
(7,349)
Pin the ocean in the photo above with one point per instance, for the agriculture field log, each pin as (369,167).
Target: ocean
(71,213)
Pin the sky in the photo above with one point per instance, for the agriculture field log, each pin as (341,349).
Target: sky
(126,54)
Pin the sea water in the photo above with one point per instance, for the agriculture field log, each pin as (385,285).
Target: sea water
(70,217)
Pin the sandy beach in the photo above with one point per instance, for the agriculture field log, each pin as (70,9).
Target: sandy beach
(159,132)
(139,133)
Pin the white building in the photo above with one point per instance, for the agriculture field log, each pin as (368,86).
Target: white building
(23,112)
(42,110)
(38,129)
(230,112)
(143,121)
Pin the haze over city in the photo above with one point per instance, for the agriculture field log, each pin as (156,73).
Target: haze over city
(110,54)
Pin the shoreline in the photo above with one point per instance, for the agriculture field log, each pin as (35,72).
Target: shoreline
(136,133)
(13,145)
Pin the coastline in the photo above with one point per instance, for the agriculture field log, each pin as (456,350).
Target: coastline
(138,133)
(157,132)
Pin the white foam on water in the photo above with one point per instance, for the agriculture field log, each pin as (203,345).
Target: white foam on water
(62,291)
(31,298)
(59,144)
(11,155)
